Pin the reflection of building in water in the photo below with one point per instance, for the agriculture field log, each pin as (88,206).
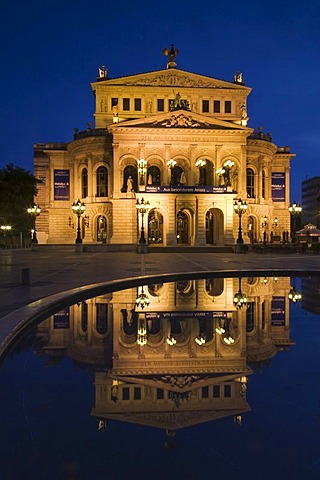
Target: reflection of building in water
(181,358)
(311,294)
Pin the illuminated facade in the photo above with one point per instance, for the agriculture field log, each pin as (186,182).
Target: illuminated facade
(181,142)
(184,357)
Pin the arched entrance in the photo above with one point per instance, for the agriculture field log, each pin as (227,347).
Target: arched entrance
(155,227)
(252,229)
(214,227)
(183,228)
(101,229)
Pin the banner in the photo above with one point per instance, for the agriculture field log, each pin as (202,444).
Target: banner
(185,314)
(278,180)
(62,184)
(61,319)
(184,189)
(278,313)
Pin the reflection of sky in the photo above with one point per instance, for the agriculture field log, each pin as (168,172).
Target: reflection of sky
(51,50)
(47,430)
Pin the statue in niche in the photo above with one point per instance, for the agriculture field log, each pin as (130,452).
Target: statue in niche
(130,184)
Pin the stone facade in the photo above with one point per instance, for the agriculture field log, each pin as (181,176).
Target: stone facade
(196,123)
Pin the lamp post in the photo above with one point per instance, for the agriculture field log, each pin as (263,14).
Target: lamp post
(295,210)
(142,170)
(34,211)
(240,299)
(78,209)
(171,164)
(240,207)
(142,207)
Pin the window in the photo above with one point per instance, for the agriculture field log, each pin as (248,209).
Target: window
(84,316)
(263,315)
(216,391)
(102,182)
(263,193)
(216,106)
(205,392)
(250,317)
(227,106)
(114,102)
(160,103)
(84,182)
(101,318)
(126,103)
(137,393)
(182,228)
(101,226)
(160,394)
(227,391)
(155,227)
(125,393)
(250,183)
(205,106)
(137,104)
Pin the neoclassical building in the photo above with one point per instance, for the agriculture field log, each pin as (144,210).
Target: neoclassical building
(178,142)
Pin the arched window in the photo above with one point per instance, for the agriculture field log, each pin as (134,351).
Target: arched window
(130,179)
(183,229)
(250,183)
(263,187)
(153,176)
(177,176)
(84,183)
(250,312)
(102,318)
(84,316)
(155,227)
(102,182)
(102,229)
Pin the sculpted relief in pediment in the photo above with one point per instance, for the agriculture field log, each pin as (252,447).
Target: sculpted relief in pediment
(173,80)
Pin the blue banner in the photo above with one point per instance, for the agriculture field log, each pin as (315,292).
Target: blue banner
(185,314)
(184,189)
(278,312)
(61,320)
(278,180)
(62,184)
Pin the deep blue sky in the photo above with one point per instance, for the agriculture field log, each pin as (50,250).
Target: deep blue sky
(50,51)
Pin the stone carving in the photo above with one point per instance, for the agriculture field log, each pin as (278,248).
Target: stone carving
(171,54)
(181,381)
(180,121)
(173,80)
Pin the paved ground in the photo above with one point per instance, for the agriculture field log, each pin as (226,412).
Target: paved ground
(58,270)
(53,272)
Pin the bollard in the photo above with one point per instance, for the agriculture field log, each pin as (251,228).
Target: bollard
(25,276)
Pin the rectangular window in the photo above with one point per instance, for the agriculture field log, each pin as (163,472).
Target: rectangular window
(216,391)
(205,392)
(137,393)
(205,106)
(126,103)
(227,391)
(160,103)
(137,104)
(125,393)
(227,106)
(216,106)
(114,102)
(160,394)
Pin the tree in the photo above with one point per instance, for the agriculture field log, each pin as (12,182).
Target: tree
(17,190)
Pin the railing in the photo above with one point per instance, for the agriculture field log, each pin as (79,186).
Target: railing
(90,132)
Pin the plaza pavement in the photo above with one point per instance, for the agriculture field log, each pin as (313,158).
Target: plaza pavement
(49,273)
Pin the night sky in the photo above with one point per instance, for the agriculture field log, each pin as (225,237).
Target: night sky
(50,51)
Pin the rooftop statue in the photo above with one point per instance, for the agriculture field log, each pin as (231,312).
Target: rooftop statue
(172,53)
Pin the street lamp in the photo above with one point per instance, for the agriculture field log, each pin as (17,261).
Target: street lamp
(240,207)
(201,164)
(34,212)
(240,299)
(142,170)
(142,299)
(78,209)
(142,207)
(295,210)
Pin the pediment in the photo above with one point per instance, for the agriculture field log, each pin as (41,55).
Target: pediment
(181,119)
(172,77)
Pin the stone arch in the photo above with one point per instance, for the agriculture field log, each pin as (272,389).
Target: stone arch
(155,227)
(184,226)
(214,225)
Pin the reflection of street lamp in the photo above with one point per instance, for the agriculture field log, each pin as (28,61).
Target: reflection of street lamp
(295,210)
(240,299)
(240,207)
(142,207)
(34,212)
(142,299)
(294,295)
(142,170)
(78,209)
